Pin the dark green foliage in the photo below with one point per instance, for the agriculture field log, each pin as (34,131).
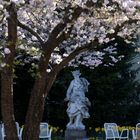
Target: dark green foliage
(23,83)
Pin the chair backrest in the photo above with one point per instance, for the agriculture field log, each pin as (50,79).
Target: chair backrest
(0,130)
(111,130)
(44,130)
(17,126)
(138,130)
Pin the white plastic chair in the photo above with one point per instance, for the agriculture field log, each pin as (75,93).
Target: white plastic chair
(136,133)
(45,132)
(112,132)
(0,130)
(19,131)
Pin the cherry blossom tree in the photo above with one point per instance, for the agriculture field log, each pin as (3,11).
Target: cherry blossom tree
(58,33)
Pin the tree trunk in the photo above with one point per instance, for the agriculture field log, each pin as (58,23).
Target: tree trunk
(36,105)
(35,110)
(7,106)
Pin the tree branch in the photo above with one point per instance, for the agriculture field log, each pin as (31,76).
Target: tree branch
(50,44)
(56,31)
(1,20)
(23,26)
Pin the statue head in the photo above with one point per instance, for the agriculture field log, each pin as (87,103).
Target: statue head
(76,73)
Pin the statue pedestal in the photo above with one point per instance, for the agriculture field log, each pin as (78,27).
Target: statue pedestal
(75,134)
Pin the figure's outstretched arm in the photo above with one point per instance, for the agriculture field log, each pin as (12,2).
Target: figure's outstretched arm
(85,83)
(88,102)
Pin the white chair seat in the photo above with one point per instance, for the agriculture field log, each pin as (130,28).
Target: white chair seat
(45,132)
(112,132)
(136,132)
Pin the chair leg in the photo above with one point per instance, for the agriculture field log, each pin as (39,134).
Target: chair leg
(20,138)
(2,137)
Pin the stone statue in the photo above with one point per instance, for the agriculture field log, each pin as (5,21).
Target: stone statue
(77,102)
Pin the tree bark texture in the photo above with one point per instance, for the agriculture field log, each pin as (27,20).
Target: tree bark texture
(7,106)
(35,109)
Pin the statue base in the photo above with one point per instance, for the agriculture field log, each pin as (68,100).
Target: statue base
(75,134)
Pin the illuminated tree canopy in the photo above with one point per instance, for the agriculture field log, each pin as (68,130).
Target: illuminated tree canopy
(61,33)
